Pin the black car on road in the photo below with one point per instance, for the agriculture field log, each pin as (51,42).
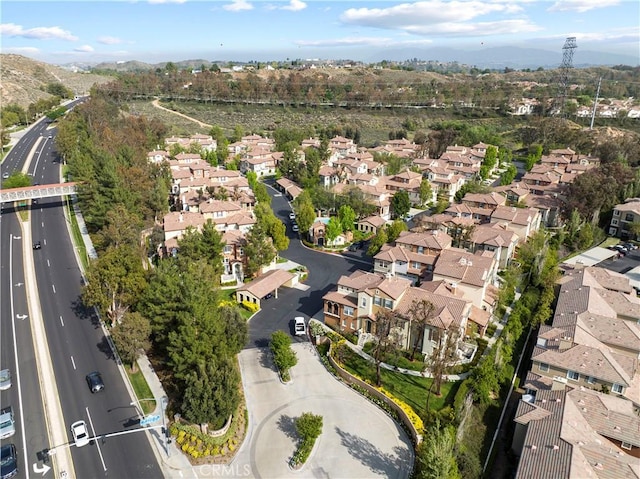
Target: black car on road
(95,382)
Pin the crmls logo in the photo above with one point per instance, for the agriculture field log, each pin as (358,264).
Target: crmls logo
(224,470)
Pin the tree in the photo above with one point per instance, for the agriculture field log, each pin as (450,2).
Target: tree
(420,313)
(400,203)
(114,282)
(394,229)
(305,213)
(376,243)
(347,217)
(441,359)
(436,456)
(131,337)
(122,227)
(387,338)
(16,180)
(333,229)
(283,356)
(211,394)
(259,250)
(425,192)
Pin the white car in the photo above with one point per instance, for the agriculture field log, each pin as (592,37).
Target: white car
(7,424)
(292,216)
(80,434)
(5,379)
(295,228)
(299,326)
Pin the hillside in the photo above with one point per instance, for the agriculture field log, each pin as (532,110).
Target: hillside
(24,79)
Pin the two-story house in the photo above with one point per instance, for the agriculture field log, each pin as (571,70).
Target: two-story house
(624,219)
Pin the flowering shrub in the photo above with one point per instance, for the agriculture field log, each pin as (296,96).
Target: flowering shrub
(408,410)
(249,306)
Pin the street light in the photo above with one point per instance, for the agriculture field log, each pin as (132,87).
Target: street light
(164,401)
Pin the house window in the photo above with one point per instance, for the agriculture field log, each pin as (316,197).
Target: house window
(415,265)
(363,303)
(388,304)
(573,375)
(541,342)
(420,249)
(616,213)
(614,222)
(543,367)
(591,380)
(348,310)
(344,323)
(377,300)
(628,217)
(617,388)
(625,445)
(227,249)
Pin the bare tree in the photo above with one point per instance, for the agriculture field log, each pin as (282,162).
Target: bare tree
(441,359)
(420,314)
(387,338)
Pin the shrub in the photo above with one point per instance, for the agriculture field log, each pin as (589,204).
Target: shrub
(309,427)
(249,306)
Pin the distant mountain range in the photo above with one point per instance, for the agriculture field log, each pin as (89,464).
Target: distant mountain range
(511,57)
(496,58)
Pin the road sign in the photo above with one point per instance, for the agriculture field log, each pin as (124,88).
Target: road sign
(149,420)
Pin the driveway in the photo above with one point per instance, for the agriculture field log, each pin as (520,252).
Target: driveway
(358,439)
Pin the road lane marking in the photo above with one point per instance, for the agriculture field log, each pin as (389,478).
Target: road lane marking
(48,264)
(43,224)
(54,288)
(15,352)
(61,321)
(73,363)
(104,466)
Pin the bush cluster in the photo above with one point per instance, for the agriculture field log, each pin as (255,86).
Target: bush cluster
(309,427)
(249,306)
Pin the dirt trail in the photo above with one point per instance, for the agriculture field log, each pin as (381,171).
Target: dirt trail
(156,103)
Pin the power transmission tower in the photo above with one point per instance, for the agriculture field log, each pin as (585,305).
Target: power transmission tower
(563,77)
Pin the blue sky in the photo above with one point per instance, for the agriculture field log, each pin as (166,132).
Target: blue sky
(243,30)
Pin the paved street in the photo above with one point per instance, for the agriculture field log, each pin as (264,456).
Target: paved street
(358,439)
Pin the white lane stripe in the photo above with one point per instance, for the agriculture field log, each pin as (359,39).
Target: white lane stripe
(104,466)
(73,363)
(15,354)
(61,321)
(54,288)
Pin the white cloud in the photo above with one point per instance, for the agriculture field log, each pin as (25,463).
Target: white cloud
(294,6)
(38,33)
(438,17)
(238,6)
(84,49)
(157,2)
(109,40)
(581,6)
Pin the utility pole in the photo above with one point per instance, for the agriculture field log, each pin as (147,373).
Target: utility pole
(595,103)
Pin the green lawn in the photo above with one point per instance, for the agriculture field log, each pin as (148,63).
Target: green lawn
(142,391)
(410,389)
(230,295)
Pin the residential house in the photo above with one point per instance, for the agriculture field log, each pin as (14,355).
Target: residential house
(473,273)
(233,257)
(290,189)
(572,432)
(371,224)
(408,181)
(594,338)
(353,307)
(158,156)
(497,239)
(522,221)
(625,218)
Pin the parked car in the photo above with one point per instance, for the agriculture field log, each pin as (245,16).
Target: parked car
(5,379)
(37,245)
(353,247)
(295,228)
(7,424)
(268,296)
(8,461)
(80,434)
(299,326)
(5,175)
(292,216)
(95,382)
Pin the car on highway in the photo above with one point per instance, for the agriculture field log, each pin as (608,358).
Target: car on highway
(7,424)
(8,461)
(95,382)
(80,434)
(37,245)
(299,326)
(5,379)
(5,175)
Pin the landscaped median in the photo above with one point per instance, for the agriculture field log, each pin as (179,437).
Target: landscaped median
(403,412)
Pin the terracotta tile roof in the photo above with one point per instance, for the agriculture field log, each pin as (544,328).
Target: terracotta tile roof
(433,240)
(341,298)
(360,280)
(493,236)
(217,206)
(267,282)
(375,220)
(181,220)
(464,267)
(394,287)
(447,311)
(519,216)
